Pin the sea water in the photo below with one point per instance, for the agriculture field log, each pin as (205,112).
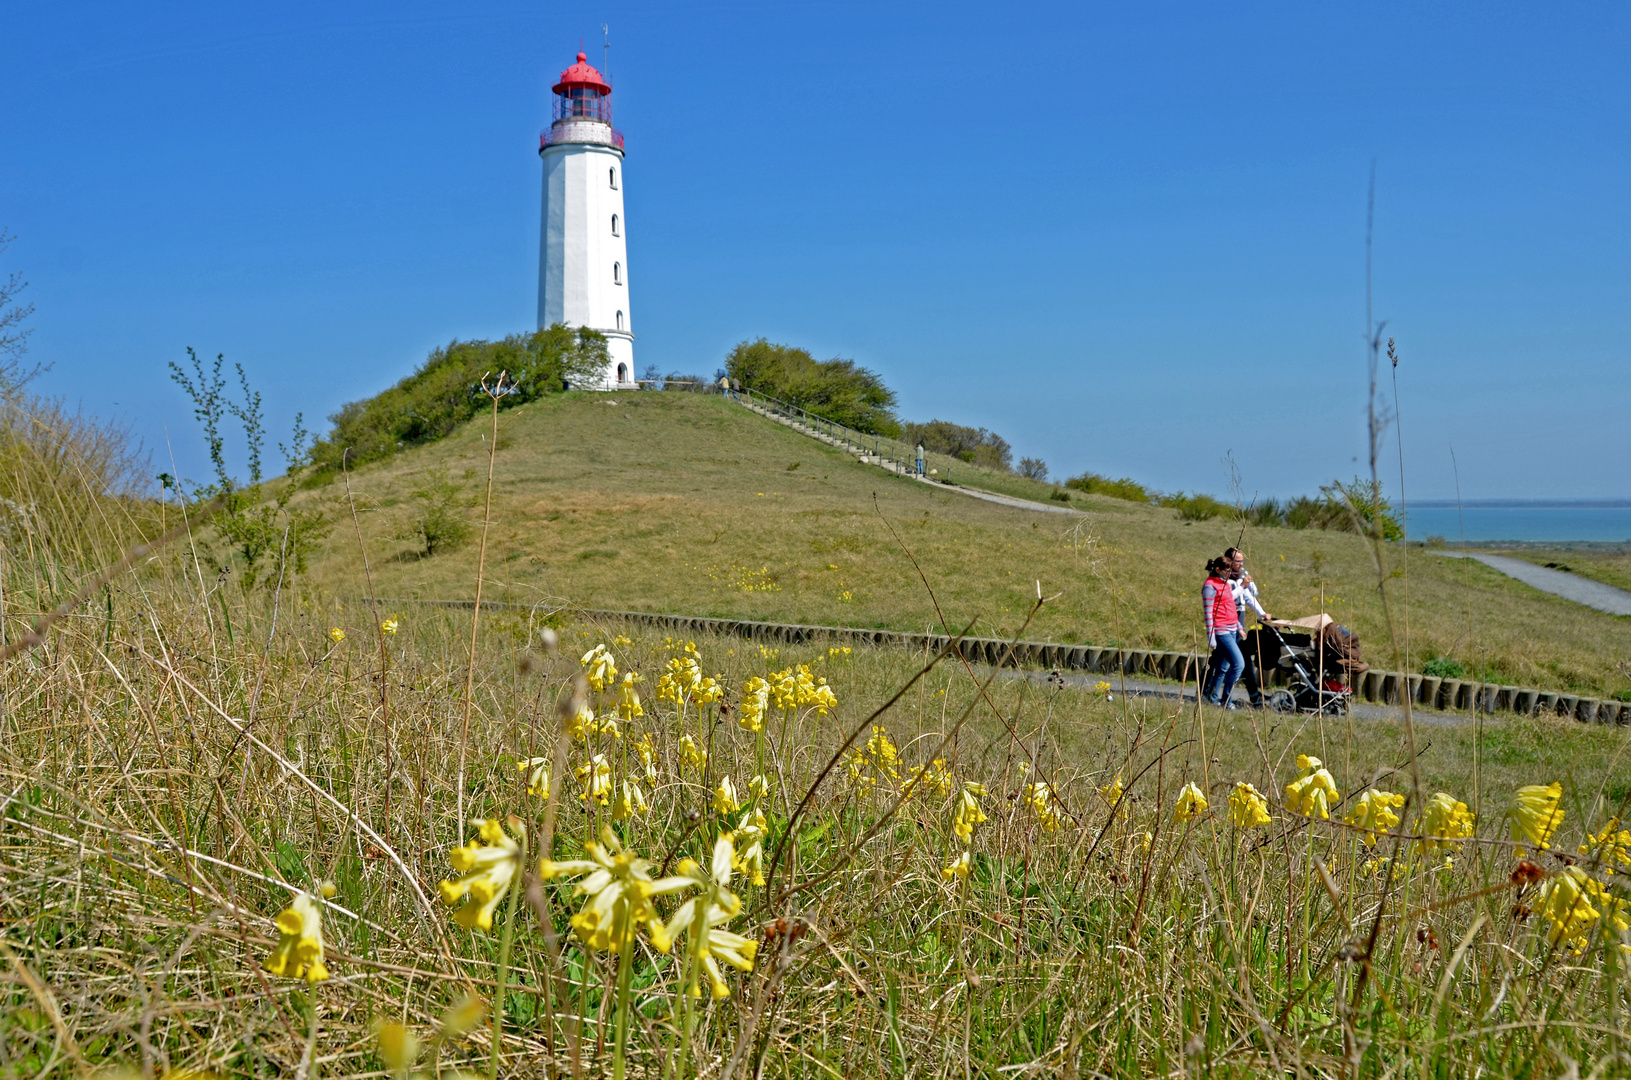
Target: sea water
(1483,521)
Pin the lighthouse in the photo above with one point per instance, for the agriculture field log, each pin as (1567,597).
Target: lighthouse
(583,261)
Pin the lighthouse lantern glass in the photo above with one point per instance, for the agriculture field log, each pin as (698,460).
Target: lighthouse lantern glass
(583,103)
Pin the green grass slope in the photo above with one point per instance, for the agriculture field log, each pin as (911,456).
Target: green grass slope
(691,504)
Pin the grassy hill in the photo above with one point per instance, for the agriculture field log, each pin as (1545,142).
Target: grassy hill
(686,503)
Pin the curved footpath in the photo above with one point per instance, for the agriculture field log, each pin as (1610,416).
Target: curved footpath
(1593,594)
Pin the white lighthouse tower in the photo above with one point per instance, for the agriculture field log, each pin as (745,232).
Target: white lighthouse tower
(583,262)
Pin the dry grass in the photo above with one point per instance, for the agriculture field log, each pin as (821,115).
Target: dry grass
(688,504)
(149,840)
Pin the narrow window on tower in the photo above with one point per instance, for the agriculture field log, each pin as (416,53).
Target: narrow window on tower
(614,224)
(617,273)
(620,320)
(613,173)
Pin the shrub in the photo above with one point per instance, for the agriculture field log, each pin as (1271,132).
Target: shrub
(838,390)
(1442,667)
(1194,507)
(1092,483)
(440,520)
(1033,468)
(977,446)
(1360,507)
(1059,494)
(445,392)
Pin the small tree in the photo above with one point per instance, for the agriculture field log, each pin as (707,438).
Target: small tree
(440,520)
(253,528)
(1033,468)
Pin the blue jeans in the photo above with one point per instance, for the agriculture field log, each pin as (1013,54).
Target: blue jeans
(1226,667)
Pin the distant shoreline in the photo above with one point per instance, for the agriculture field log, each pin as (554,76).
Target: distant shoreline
(1521,504)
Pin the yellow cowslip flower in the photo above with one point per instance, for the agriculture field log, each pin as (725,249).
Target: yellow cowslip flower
(748,839)
(1444,821)
(1111,792)
(389,626)
(537,770)
(758,787)
(620,889)
(1191,803)
(838,651)
(628,700)
(1536,815)
(1247,807)
(581,723)
(648,756)
(1566,902)
(487,870)
(629,802)
(860,771)
(935,777)
(1039,796)
(884,752)
(679,680)
(708,691)
(1376,865)
(1373,812)
(957,869)
(755,700)
(398,1047)
(299,951)
(599,668)
(725,800)
(596,777)
(1612,845)
(783,689)
(692,754)
(336,635)
(702,917)
(968,812)
(1312,795)
(621,640)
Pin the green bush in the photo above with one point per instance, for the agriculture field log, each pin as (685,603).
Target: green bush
(1442,667)
(1195,507)
(838,390)
(1125,488)
(445,392)
(977,446)
(1360,507)
(440,521)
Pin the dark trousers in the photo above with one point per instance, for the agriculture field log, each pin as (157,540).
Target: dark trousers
(1253,681)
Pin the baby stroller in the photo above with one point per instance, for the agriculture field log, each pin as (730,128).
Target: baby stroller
(1317,664)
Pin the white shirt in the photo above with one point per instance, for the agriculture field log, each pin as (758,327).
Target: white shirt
(1246,597)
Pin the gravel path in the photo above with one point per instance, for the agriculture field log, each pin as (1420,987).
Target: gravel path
(1593,594)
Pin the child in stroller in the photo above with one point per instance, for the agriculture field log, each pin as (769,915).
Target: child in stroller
(1318,658)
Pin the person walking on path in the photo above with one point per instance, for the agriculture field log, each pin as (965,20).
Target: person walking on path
(1244,590)
(1222,634)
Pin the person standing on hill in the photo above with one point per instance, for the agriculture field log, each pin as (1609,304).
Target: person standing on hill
(1244,590)
(1222,634)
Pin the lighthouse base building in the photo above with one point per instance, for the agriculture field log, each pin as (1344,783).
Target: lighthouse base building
(583,262)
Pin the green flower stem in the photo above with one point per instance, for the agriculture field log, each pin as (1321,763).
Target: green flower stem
(504,941)
(625,971)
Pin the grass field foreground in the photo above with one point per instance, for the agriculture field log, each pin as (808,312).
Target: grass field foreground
(240,851)
(689,504)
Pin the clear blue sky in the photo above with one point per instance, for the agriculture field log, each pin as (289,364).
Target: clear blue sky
(1127,237)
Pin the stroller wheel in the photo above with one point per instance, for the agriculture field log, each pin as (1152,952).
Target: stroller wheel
(1283,701)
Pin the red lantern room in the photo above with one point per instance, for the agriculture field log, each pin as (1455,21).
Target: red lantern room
(581,94)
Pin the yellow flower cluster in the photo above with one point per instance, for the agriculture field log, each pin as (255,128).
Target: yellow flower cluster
(1312,794)
(1191,803)
(599,668)
(748,839)
(755,701)
(702,917)
(595,775)
(620,890)
(725,800)
(693,755)
(1536,815)
(935,776)
(1572,901)
(1111,792)
(1039,797)
(299,951)
(1444,822)
(487,870)
(584,725)
(628,700)
(537,772)
(1374,812)
(968,812)
(1247,807)
(629,802)
(1612,846)
(799,688)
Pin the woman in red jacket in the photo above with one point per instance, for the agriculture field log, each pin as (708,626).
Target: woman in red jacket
(1222,634)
